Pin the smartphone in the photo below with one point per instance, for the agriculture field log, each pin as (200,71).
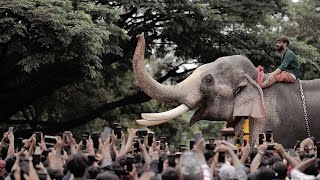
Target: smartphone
(91,158)
(157,143)
(210,147)
(105,134)
(261,136)
(178,154)
(211,140)
(150,138)
(292,152)
(95,138)
(19,143)
(10,130)
(221,157)
(270,147)
(136,145)
(197,137)
(38,138)
(162,143)
(129,162)
(182,147)
(268,135)
(84,141)
(318,149)
(36,158)
(191,144)
(117,132)
(45,152)
(172,160)
(67,136)
(142,132)
(115,125)
(87,133)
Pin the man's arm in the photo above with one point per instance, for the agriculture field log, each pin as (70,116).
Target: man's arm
(257,159)
(282,152)
(277,71)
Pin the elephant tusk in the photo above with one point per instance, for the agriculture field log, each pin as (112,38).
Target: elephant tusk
(167,115)
(144,122)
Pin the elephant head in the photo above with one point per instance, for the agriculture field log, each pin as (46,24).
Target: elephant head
(220,90)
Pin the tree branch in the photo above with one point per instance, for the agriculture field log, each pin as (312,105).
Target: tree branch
(139,97)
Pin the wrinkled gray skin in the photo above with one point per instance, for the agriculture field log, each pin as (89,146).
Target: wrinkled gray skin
(226,88)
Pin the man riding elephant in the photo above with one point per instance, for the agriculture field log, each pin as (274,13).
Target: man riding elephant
(289,69)
(227,89)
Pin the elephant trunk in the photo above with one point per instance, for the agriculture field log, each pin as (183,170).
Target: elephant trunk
(151,87)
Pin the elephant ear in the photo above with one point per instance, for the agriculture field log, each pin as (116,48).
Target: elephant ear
(249,101)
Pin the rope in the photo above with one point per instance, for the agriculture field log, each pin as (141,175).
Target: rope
(260,75)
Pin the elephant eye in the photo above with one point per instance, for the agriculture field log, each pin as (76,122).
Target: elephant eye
(208,79)
(239,89)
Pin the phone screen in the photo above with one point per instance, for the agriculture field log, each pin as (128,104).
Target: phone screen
(38,138)
(268,135)
(95,138)
(191,144)
(150,138)
(221,157)
(117,132)
(19,143)
(36,159)
(129,162)
(105,134)
(318,149)
(261,136)
(84,140)
(136,145)
(171,160)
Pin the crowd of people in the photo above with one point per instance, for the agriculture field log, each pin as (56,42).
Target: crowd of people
(141,154)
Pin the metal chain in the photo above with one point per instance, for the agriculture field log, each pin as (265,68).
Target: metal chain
(304,108)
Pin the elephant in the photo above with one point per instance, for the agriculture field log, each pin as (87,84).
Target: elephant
(226,90)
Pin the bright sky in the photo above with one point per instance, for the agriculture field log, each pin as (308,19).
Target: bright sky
(295,0)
